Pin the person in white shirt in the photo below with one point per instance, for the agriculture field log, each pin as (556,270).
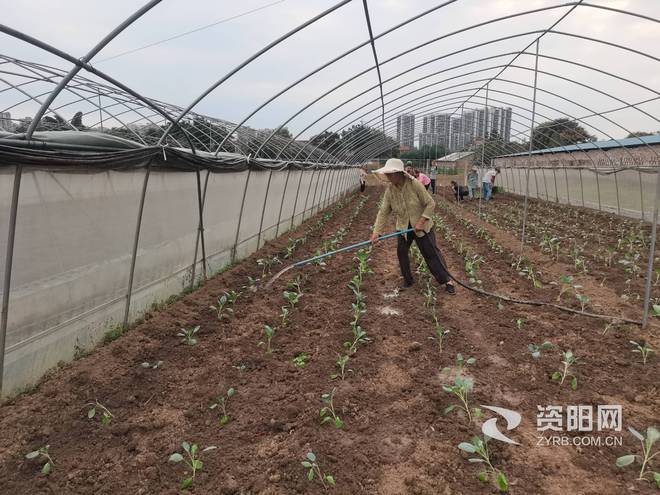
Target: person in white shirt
(363,178)
(488,181)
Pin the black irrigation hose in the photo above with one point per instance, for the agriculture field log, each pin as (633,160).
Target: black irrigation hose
(613,319)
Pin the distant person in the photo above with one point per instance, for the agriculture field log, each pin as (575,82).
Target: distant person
(413,172)
(488,182)
(472,182)
(460,192)
(363,179)
(433,175)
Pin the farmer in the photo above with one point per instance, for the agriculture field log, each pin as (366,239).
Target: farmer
(472,179)
(426,182)
(433,175)
(412,206)
(459,191)
(488,182)
(363,178)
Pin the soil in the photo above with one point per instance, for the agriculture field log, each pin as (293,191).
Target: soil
(396,439)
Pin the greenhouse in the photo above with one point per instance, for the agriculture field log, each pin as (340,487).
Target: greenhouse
(302,247)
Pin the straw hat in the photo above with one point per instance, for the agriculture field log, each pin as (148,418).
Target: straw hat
(392,166)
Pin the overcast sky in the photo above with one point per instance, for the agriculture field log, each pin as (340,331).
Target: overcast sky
(178,70)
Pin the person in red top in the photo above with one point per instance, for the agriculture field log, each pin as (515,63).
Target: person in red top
(424,179)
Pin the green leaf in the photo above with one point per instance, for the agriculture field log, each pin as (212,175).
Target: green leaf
(574,383)
(339,423)
(471,360)
(625,460)
(467,447)
(231,392)
(636,434)
(536,354)
(306,464)
(656,477)
(310,474)
(45,470)
(186,446)
(91,413)
(652,434)
(556,375)
(311,456)
(224,420)
(331,481)
(187,483)
(325,420)
(502,483)
(483,476)
(197,464)
(194,449)
(32,455)
(176,457)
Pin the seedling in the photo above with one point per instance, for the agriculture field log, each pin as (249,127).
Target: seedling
(327,412)
(315,471)
(560,376)
(251,284)
(566,285)
(429,295)
(267,263)
(222,307)
(342,361)
(269,333)
(291,297)
(472,265)
(296,286)
(642,348)
(42,455)
(97,407)
(535,350)
(440,332)
(584,300)
(193,461)
(284,315)
(188,335)
(461,389)
(519,323)
(153,366)
(300,360)
(462,363)
(480,447)
(221,402)
(647,441)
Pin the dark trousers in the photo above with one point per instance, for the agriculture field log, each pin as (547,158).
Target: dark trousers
(363,185)
(430,252)
(433,185)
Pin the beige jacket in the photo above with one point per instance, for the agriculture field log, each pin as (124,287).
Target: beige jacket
(409,202)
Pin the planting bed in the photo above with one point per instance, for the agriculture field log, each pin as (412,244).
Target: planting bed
(395,437)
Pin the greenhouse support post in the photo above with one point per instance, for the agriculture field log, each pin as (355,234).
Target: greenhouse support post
(545,185)
(597,186)
(286,184)
(9,257)
(649,271)
(200,230)
(309,190)
(568,192)
(641,194)
(263,207)
(240,216)
(554,174)
(616,187)
(531,142)
(581,187)
(136,241)
(295,201)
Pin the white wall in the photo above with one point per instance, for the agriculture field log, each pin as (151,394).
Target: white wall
(74,239)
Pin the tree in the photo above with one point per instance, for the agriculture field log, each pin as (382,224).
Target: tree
(559,132)
(76,121)
(325,140)
(640,134)
(284,132)
(424,152)
(360,138)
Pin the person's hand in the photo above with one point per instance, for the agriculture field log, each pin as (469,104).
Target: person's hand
(420,224)
(374,237)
